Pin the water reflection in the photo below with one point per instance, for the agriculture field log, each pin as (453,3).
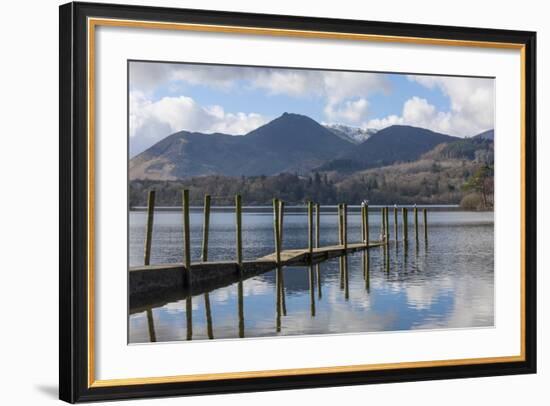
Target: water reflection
(448,283)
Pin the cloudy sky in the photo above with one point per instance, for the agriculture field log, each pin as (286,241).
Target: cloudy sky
(169,97)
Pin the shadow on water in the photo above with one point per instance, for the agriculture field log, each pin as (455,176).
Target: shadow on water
(392,266)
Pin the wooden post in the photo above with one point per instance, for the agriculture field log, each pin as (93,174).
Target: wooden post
(340,226)
(367,237)
(318,245)
(239,231)
(187,261)
(341,243)
(382,224)
(205,227)
(281,218)
(416,224)
(317,225)
(186,236)
(345,226)
(149,227)
(425,214)
(363,223)
(405,227)
(395,225)
(387,218)
(276,230)
(310,229)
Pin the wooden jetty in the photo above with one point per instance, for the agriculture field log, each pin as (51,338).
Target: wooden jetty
(161,283)
(149,283)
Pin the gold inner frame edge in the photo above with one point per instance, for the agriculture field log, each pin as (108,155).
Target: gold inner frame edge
(94,22)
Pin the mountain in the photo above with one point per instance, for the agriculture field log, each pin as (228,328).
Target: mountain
(186,154)
(290,143)
(486,135)
(397,143)
(355,135)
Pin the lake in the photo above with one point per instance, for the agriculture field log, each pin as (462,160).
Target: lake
(445,283)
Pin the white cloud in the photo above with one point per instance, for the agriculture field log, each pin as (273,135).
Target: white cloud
(468,116)
(350,111)
(472,102)
(345,95)
(342,91)
(151,121)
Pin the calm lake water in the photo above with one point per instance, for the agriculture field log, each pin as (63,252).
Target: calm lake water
(447,283)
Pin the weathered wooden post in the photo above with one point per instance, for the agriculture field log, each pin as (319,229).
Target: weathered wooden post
(276,230)
(318,245)
(317,225)
(345,257)
(187,262)
(387,218)
(425,215)
(404,212)
(239,230)
(341,243)
(281,219)
(367,233)
(204,255)
(340,226)
(345,227)
(281,305)
(310,230)
(395,225)
(382,225)
(416,224)
(149,227)
(363,238)
(186,237)
(205,227)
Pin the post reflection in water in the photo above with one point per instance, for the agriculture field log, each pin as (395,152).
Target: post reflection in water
(189,317)
(282,287)
(240,301)
(151,325)
(312,290)
(346,276)
(279,291)
(366,270)
(209,330)
(318,273)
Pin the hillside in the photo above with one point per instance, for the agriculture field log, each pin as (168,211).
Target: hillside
(396,143)
(290,143)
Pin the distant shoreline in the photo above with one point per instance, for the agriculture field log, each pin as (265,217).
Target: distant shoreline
(331,207)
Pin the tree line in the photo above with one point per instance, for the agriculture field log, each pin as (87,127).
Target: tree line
(431,182)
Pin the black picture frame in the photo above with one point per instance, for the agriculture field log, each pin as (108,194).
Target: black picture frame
(74,385)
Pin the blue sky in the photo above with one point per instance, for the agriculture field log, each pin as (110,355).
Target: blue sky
(170,97)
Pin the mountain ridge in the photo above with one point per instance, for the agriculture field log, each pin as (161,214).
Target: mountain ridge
(291,143)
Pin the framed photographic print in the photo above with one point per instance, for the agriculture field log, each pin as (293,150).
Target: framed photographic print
(256,202)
